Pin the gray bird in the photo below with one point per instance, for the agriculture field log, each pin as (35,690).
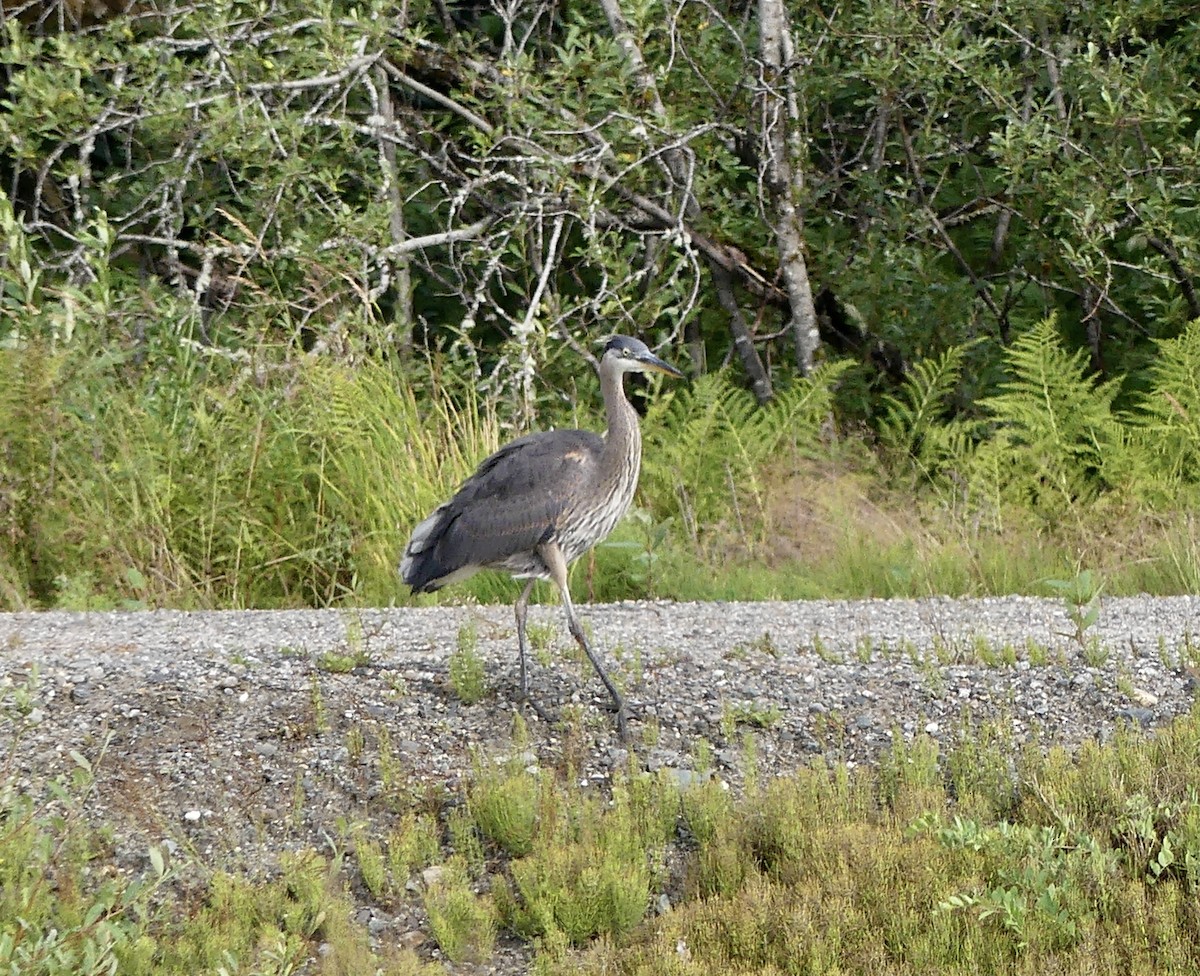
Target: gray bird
(540,503)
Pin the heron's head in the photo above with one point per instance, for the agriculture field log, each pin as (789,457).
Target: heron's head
(629,355)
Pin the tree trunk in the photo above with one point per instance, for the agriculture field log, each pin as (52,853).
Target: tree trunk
(782,145)
(401,263)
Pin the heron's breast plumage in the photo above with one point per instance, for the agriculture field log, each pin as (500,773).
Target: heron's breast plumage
(592,517)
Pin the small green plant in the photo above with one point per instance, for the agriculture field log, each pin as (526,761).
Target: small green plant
(391,770)
(930,667)
(1037,654)
(541,641)
(1189,653)
(465,840)
(978,767)
(344,661)
(320,717)
(1081,594)
(396,685)
(588,872)
(1095,654)
(707,809)
(944,651)
(504,803)
(1039,902)
(752,714)
(356,742)
(824,651)
(467,677)
(412,845)
(19,698)
(372,868)
(462,922)
(633,666)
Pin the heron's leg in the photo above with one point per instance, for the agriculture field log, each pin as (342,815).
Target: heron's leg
(553,558)
(522,608)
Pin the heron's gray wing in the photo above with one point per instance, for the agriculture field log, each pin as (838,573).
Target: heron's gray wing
(512,502)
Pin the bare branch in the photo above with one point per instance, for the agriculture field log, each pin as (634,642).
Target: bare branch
(436,96)
(468,233)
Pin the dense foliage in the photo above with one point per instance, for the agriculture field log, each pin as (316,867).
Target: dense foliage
(250,253)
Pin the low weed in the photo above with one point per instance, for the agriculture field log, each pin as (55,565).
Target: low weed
(541,641)
(62,913)
(505,805)
(1081,594)
(591,863)
(467,677)
(462,923)
(412,845)
(344,661)
(752,714)
(372,866)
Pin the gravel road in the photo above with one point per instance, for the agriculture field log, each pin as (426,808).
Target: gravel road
(239,734)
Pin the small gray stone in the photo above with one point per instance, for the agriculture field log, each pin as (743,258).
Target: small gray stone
(1138,715)
(687,778)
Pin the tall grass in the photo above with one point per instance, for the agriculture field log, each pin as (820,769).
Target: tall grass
(285,485)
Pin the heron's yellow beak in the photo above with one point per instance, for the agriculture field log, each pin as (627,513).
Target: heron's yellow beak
(655,365)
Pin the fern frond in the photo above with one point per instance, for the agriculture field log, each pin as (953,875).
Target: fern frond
(1167,425)
(1055,421)
(911,416)
(706,448)
(800,409)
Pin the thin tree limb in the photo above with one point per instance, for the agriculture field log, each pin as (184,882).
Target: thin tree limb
(1186,285)
(981,288)
(411,244)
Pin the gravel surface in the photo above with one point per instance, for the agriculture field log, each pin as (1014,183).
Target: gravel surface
(240,734)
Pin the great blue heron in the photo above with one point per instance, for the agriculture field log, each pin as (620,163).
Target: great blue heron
(541,502)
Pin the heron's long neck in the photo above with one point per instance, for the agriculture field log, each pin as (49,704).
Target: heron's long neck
(623,441)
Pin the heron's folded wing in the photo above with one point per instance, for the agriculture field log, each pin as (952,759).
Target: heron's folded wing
(514,500)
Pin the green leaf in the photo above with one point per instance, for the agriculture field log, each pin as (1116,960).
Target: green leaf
(156,861)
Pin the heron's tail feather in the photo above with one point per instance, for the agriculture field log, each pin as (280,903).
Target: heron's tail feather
(424,566)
